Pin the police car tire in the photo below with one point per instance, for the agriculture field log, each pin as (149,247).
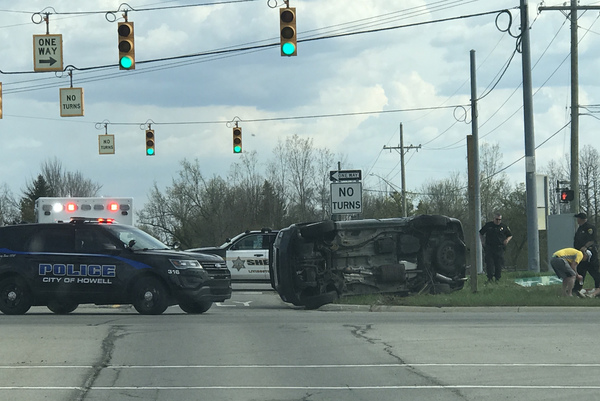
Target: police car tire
(15,296)
(150,296)
(195,307)
(62,308)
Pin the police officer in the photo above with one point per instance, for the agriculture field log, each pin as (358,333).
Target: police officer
(585,239)
(495,235)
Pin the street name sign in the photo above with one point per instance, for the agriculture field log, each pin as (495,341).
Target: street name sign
(106,144)
(71,102)
(346,197)
(47,53)
(345,175)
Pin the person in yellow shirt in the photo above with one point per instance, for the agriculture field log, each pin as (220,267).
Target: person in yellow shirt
(564,263)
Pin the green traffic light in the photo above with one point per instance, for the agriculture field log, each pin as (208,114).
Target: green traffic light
(150,152)
(288,48)
(126,62)
(237,149)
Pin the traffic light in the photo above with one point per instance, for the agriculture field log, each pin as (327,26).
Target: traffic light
(237,140)
(287,28)
(566,195)
(126,47)
(150,142)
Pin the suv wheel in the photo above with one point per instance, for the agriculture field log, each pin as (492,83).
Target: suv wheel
(15,296)
(195,307)
(62,307)
(150,296)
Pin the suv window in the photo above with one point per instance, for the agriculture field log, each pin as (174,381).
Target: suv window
(89,240)
(58,238)
(253,241)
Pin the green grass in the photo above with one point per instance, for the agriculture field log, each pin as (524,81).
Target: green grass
(504,293)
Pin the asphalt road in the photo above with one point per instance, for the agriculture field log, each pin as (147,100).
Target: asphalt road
(255,347)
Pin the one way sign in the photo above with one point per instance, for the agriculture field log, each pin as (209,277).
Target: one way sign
(47,53)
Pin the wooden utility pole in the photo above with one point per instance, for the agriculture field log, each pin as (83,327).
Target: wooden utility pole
(403,149)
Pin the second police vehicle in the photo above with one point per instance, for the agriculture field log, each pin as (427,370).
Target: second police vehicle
(247,255)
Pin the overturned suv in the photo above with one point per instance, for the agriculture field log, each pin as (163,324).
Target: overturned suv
(315,263)
(62,265)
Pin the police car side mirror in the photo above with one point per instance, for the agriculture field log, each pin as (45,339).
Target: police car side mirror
(131,244)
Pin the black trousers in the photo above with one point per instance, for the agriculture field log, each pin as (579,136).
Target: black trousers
(494,261)
(583,268)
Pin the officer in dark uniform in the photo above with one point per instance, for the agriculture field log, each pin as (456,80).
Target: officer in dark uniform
(585,239)
(494,236)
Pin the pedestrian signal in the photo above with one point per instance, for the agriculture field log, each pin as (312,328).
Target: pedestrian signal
(566,195)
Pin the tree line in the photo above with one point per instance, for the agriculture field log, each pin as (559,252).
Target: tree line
(294,187)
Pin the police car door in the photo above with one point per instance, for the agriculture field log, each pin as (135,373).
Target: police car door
(52,259)
(104,268)
(248,258)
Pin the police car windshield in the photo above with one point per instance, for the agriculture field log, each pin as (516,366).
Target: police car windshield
(141,239)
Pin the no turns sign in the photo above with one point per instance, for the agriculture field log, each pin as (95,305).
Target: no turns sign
(346,197)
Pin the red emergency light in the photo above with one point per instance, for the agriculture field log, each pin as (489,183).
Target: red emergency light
(106,221)
(113,207)
(71,207)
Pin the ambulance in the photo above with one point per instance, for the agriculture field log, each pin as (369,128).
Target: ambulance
(54,210)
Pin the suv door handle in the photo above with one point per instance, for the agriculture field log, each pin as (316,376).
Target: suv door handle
(259,254)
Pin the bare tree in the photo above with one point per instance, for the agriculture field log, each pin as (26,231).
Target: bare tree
(64,183)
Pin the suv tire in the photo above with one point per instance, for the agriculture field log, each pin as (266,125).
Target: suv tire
(150,296)
(15,296)
(62,307)
(195,307)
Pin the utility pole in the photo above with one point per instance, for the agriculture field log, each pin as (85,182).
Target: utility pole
(533,238)
(572,9)
(403,149)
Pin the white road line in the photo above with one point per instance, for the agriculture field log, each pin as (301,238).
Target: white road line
(334,388)
(324,366)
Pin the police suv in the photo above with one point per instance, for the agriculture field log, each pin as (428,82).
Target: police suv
(62,265)
(246,255)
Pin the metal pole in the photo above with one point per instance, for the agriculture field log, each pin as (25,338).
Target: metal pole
(574,110)
(533,242)
(476,177)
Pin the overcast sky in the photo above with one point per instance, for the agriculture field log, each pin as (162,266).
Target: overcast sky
(356,89)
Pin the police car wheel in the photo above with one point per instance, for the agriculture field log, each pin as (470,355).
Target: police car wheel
(15,296)
(150,296)
(195,307)
(62,308)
